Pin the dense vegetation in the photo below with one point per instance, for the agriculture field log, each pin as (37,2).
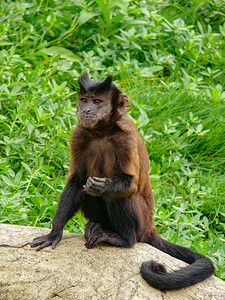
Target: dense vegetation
(168,56)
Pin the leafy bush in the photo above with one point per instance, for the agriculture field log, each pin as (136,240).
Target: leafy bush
(171,51)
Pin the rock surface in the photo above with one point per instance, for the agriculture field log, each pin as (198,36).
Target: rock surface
(73,272)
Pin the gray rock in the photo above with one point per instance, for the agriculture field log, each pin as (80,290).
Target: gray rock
(73,272)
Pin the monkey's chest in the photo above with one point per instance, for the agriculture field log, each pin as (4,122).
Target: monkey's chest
(100,159)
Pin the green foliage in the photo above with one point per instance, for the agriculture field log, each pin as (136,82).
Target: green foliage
(167,55)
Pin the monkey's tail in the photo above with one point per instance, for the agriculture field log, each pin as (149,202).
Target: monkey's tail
(156,275)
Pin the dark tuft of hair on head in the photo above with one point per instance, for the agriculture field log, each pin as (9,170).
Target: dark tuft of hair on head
(84,82)
(97,87)
(104,86)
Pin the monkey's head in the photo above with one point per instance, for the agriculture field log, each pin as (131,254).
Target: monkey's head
(100,103)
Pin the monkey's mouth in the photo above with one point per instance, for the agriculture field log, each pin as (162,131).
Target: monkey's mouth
(88,121)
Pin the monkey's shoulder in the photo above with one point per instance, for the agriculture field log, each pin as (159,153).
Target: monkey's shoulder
(129,128)
(127,125)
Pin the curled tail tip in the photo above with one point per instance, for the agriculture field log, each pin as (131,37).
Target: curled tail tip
(152,266)
(155,274)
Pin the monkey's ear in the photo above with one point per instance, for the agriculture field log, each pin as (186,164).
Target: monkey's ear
(104,86)
(123,104)
(84,82)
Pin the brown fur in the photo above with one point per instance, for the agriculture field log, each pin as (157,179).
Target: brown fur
(109,181)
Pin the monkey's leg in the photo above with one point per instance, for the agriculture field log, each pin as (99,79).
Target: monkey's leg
(95,234)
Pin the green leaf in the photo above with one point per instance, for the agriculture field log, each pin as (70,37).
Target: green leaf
(16,89)
(216,95)
(7,180)
(116,19)
(2,118)
(155,69)
(222,29)
(105,11)
(61,51)
(5,43)
(86,16)
(143,118)
(26,167)
(18,177)
(122,5)
(199,128)
(45,116)
(30,127)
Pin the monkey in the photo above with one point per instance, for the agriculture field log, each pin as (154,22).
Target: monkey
(109,182)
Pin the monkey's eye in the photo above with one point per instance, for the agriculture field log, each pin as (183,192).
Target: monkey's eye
(97,101)
(83,100)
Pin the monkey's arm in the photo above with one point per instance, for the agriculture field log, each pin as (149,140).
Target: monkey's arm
(70,200)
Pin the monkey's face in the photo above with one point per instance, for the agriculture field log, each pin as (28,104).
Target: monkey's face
(93,108)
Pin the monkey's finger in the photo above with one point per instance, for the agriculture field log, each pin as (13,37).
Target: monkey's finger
(95,190)
(98,179)
(98,185)
(55,242)
(95,179)
(96,239)
(37,241)
(92,242)
(46,244)
(88,246)
(94,228)
(91,228)
(94,183)
(89,183)
(91,187)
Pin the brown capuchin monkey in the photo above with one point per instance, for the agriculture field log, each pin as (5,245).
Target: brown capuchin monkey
(109,182)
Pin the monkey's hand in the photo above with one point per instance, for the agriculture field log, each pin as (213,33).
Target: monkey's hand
(53,238)
(96,186)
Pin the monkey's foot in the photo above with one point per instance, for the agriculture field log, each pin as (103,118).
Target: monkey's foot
(94,234)
(96,239)
(91,228)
